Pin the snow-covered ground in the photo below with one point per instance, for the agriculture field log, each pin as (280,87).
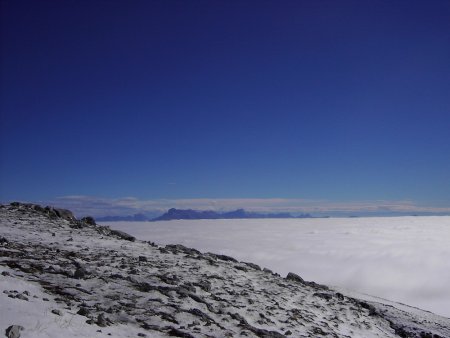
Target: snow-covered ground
(62,276)
(404,259)
(65,277)
(37,317)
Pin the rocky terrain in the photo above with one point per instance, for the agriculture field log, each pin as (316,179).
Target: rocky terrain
(63,277)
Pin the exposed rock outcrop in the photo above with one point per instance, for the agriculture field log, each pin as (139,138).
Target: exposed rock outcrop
(13,331)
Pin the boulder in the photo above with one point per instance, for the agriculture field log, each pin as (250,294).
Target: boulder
(64,214)
(13,331)
(83,311)
(102,321)
(253,266)
(123,235)
(80,273)
(89,220)
(294,277)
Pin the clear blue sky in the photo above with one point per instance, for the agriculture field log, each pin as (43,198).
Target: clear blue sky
(335,100)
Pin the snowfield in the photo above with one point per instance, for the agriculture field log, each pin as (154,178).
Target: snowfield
(63,277)
(404,259)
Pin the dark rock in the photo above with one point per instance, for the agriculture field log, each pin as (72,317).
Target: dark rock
(222,257)
(50,212)
(326,296)
(176,248)
(13,331)
(201,314)
(168,317)
(253,266)
(78,225)
(22,297)
(142,259)
(64,214)
(89,220)
(80,273)
(257,331)
(147,326)
(371,308)
(123,235)
(204,285)
(145,287)
(56,312)
(227,258)
(319,331)
(188,287)
(294,277)
(316,285)
(173,332)
(340,296)
(238,317)
(83,311)
(241,268)
(171,279)
(38,208)
(102,320)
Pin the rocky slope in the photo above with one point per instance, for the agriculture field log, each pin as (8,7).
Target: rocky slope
(66,277)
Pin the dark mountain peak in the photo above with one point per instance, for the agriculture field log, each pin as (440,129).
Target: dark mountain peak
(129,218)
(173,214)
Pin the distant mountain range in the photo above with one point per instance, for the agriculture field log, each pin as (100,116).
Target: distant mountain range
(131,218)
(173,214)
(209,214)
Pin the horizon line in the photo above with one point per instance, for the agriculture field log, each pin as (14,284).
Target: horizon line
(106,206)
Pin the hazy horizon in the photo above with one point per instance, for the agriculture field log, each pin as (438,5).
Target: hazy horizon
(100,207)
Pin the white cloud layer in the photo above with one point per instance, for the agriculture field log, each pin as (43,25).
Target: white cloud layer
(98,206)
(404,259)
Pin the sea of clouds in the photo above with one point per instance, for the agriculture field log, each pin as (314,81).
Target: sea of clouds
(404,259)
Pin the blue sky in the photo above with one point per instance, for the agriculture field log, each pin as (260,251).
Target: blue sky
(183,100)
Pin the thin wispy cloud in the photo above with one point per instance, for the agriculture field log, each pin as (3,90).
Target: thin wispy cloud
(100,206)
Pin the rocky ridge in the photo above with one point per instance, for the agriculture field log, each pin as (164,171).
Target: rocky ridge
(115,285)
